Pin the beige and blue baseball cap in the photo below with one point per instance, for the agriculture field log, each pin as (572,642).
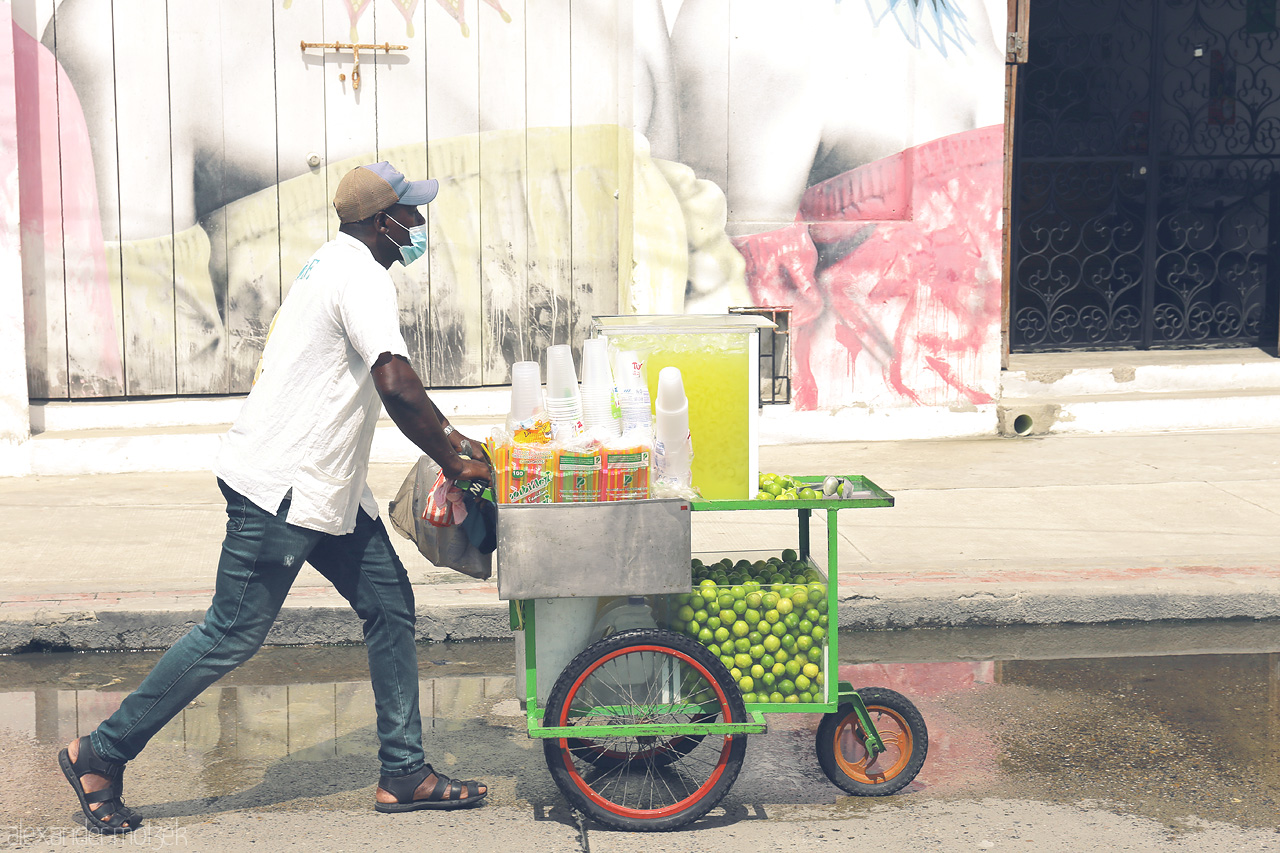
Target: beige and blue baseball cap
(365,190)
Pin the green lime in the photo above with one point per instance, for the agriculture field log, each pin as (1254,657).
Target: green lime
(804,642)
(793,668)
(785,606)
(741,644)
(720,634)
(684,614)
(802,682)
(778,629)
(768,661)
(756,651)
(805,626)
(818,633)
(778,670)
(789,555)
(740,629)
(735,673)
(791,620)
(768,679)
(739,606)
(713,622)
(810,669)
(727,661)
(724,601)
(793,699)
(748,698)
(786,686)
(762,495)
(814,654)
(805,697)
(776,698)
(807,494)
(706,638)
(782,656)
(742,660)
(771,643)
(692,628)
(754,599)
(757,671)
(746,685)
(789,643)
(753,617)
(700,615)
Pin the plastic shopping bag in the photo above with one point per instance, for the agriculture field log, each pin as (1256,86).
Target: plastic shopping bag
(449,546)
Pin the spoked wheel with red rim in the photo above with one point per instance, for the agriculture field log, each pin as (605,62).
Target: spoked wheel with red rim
(842,746)
(655,780)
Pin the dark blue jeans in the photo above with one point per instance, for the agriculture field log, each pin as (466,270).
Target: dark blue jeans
(261,556)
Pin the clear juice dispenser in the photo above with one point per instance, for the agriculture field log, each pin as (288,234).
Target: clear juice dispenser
(718,357)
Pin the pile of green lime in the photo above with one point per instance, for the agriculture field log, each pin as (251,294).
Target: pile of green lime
(766,621)
(780,487)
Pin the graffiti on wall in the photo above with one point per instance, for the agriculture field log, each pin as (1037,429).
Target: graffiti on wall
(668,159)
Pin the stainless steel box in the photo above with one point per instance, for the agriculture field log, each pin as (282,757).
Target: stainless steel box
(570,550)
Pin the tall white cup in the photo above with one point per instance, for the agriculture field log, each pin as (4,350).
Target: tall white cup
(673,446)
(526,390)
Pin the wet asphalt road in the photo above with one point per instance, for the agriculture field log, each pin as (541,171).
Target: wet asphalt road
(1146,737)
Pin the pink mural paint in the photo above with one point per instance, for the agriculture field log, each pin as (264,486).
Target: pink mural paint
(897,261)
(58,205)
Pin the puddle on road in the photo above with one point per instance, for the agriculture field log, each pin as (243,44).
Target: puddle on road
(1177,722)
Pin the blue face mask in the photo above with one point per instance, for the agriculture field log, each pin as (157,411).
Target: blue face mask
(417,242)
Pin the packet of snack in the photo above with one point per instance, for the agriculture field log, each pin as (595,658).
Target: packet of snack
(578,474)
(624,471)
(523,473)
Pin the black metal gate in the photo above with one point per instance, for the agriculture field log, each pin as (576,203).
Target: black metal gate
(1146,189)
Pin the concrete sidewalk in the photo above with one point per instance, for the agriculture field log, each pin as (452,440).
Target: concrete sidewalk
(985,531)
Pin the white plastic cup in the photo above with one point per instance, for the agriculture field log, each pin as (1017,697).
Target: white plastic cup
(633,390)
(596,373)
(526,389)
(673,446)
(562,380)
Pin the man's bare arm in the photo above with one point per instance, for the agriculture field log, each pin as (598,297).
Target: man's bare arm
(418,418)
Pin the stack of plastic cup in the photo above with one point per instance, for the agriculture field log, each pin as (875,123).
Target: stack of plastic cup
(526,391)
(672,445)
(633,391)
(598,392)
(563,398)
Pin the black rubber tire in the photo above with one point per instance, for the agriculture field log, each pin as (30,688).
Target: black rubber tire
(585,779)
(902,729)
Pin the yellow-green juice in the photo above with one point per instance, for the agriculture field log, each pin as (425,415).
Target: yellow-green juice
(716,370)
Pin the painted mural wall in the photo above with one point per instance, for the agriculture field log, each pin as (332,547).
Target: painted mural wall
(178,159)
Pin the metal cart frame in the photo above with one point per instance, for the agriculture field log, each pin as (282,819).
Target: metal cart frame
(836,695)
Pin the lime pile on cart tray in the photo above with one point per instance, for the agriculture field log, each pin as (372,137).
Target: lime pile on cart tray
(766,621)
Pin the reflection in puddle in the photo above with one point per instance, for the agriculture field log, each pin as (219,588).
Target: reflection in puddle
(1181,737)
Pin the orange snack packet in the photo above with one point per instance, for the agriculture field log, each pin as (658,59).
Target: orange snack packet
(578,475)
(624,473)
(525,473)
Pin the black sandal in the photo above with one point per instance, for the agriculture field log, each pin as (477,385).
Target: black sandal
(122,818)
(403,788)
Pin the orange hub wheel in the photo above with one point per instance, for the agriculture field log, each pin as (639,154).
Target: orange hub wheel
(842,748)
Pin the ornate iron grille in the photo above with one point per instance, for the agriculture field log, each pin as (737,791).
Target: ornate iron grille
(1145,157)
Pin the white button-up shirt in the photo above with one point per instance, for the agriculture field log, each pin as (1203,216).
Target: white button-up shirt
(308,423)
